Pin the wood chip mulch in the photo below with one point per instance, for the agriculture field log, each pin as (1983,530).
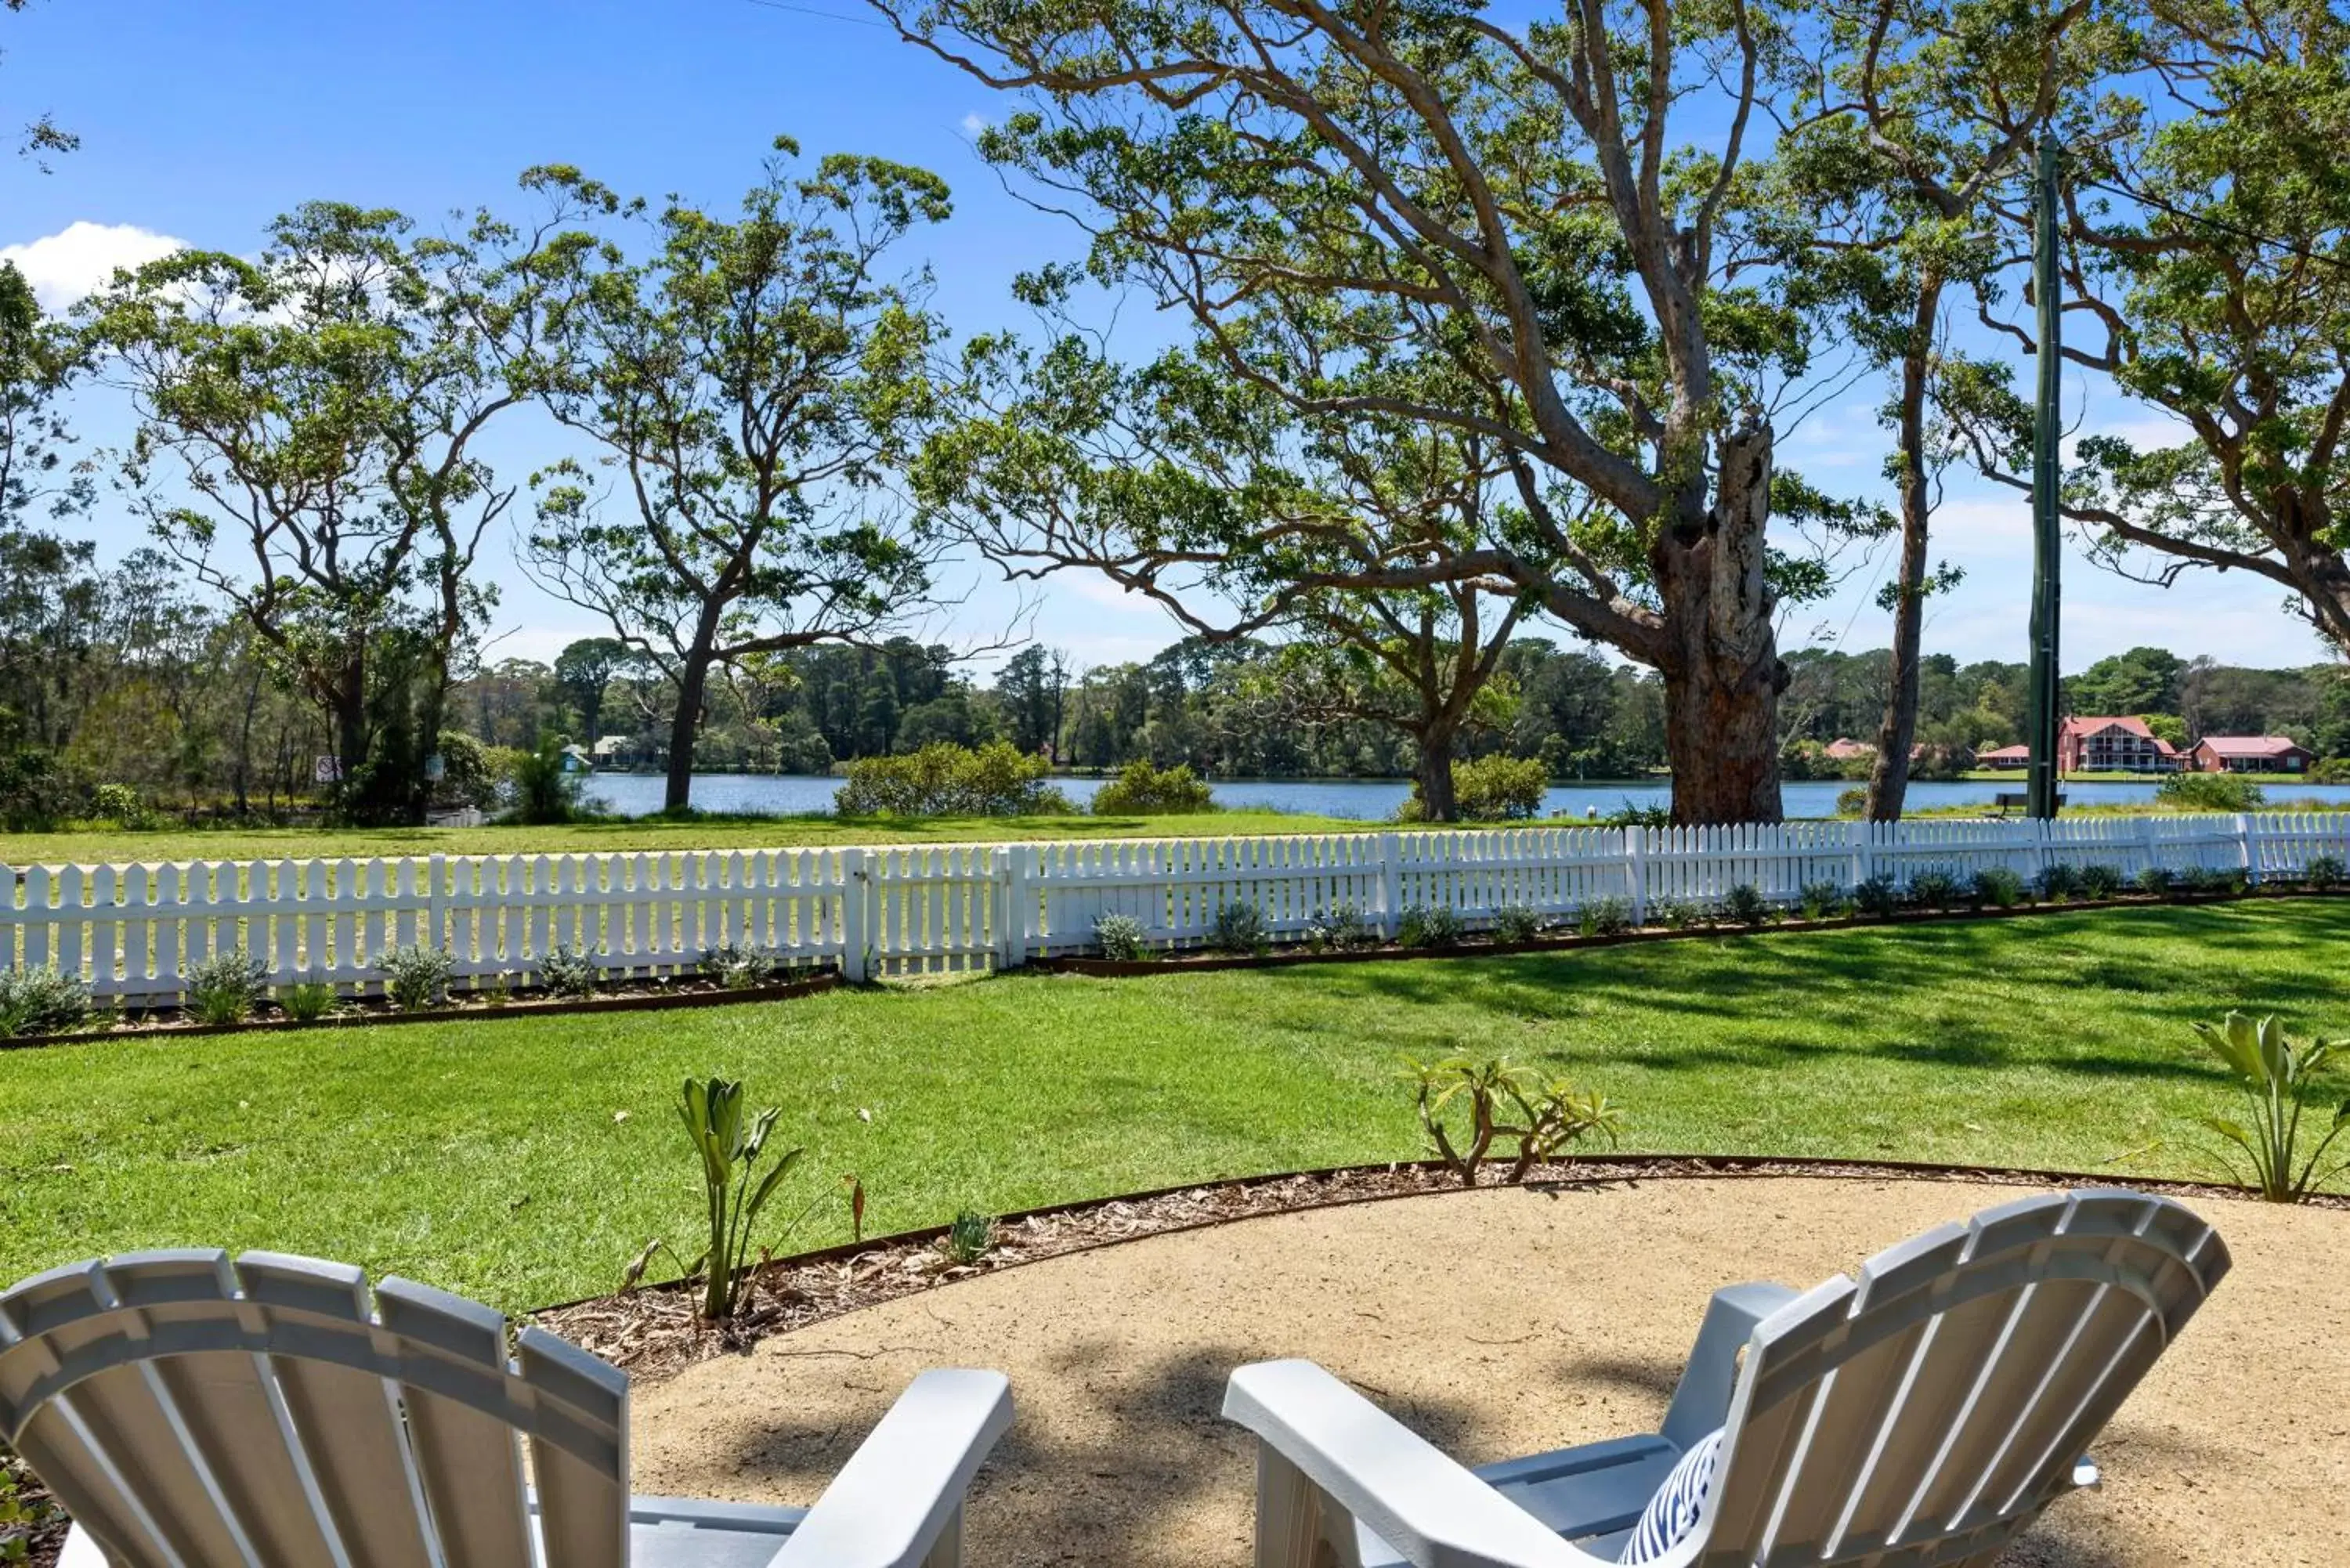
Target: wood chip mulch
(656,1331)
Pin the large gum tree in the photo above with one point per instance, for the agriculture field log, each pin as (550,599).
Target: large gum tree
(1557,209)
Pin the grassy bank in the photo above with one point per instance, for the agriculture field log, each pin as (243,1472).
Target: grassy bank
(99,845)
(526,1160)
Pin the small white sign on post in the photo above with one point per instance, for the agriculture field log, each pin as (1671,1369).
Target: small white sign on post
(326,770)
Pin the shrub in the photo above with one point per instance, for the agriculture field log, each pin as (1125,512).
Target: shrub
(1877,895)
(1118,937)
(122,804)
(730,1143)
(1340,926)
(1997,887)
(944,779)
(1821,900)
(307,999)
(2322,871)
(2100,880)
(1630,815)
(43,1000)
(2059,881)
(2155,880)
(227,987)
(1674,914)
(416,977)
(1519,923)
(1141,790)
(2210,791)
(1550,1116)
(2276,1076)
(1933,889)
(1500,788)
(36,795)
(1428,926)
(541,790)
(568,972)
(738,964)
(2199,879)
(1744,905)
(1853,802)
(1239,929)
(969,1239)
(1604,917)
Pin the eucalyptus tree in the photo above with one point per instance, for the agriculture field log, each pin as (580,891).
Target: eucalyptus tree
(41,136)
(1921,117)
(1561,211)
(750,383)
(2206,271)
(308,427)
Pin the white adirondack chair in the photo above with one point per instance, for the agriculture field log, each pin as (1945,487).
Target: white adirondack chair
(192,1412)
(1919,1417)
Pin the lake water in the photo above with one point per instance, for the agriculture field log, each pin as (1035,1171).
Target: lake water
(1368,800)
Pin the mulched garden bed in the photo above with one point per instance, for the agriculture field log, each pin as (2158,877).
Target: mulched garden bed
(1197,960)
(655,1331)
(627,996)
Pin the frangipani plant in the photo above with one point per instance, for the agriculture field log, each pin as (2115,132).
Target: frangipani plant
(2276,1076)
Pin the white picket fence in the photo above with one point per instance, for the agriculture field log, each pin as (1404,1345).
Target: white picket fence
(137,931)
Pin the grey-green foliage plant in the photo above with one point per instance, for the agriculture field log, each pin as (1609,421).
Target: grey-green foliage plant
(568,972)
(1997,887)
(307,1000)
(730,1141)
(1340,927)
(41,1000)
(227,987)
(1674,914)
(1518,923)
(2059,881)
(1428,926)
(2322,871)
(1744,905)
(1605,918)
(416,977)
(967,1240)
(2278,1078)
(1821,900)
(2155,881)
(738,964)
(1933,889)
(2199,879)
(1118,937)
(1239,929)
(1511,1113)
(2100,880)
(1876,896)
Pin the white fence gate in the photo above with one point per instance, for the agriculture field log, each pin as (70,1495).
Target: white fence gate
(137,931)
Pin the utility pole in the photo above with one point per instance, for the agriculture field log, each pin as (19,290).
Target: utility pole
(2047,539)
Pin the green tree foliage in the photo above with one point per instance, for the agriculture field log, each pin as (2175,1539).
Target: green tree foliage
(748,383)
(993,780)
(2142,680)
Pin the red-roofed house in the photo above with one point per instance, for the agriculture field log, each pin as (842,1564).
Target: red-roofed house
(2113,745)
(2251,754)
(2004,757)
(1843,749)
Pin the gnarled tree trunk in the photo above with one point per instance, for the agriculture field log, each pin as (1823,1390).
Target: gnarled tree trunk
(1888,779)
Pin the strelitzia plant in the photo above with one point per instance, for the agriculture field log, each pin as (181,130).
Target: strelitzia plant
(730,1141)
(2276,1076)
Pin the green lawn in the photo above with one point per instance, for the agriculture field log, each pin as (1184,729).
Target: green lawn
(495,1158)
(96,845)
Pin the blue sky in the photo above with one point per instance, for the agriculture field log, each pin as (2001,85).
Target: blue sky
(200,122)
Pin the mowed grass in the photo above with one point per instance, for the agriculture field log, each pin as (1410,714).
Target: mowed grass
(100,845)
(524,1160)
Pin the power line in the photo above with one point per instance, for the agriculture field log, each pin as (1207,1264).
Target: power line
(2302,251)
(812,11)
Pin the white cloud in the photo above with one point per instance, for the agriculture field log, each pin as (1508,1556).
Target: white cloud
(63,267)
(973,123)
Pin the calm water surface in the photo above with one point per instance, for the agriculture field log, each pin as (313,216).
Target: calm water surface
(1368,800)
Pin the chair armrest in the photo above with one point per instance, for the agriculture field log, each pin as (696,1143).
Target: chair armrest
(1408,1492)
(1702,1399)
(905,1483)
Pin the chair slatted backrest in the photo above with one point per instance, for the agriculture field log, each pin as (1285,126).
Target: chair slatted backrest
(192,1412)
(1923,1415)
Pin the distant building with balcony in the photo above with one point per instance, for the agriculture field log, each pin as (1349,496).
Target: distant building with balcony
(2250,755)
(2114,745)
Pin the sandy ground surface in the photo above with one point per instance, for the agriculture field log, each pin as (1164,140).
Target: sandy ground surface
(1499,1323)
